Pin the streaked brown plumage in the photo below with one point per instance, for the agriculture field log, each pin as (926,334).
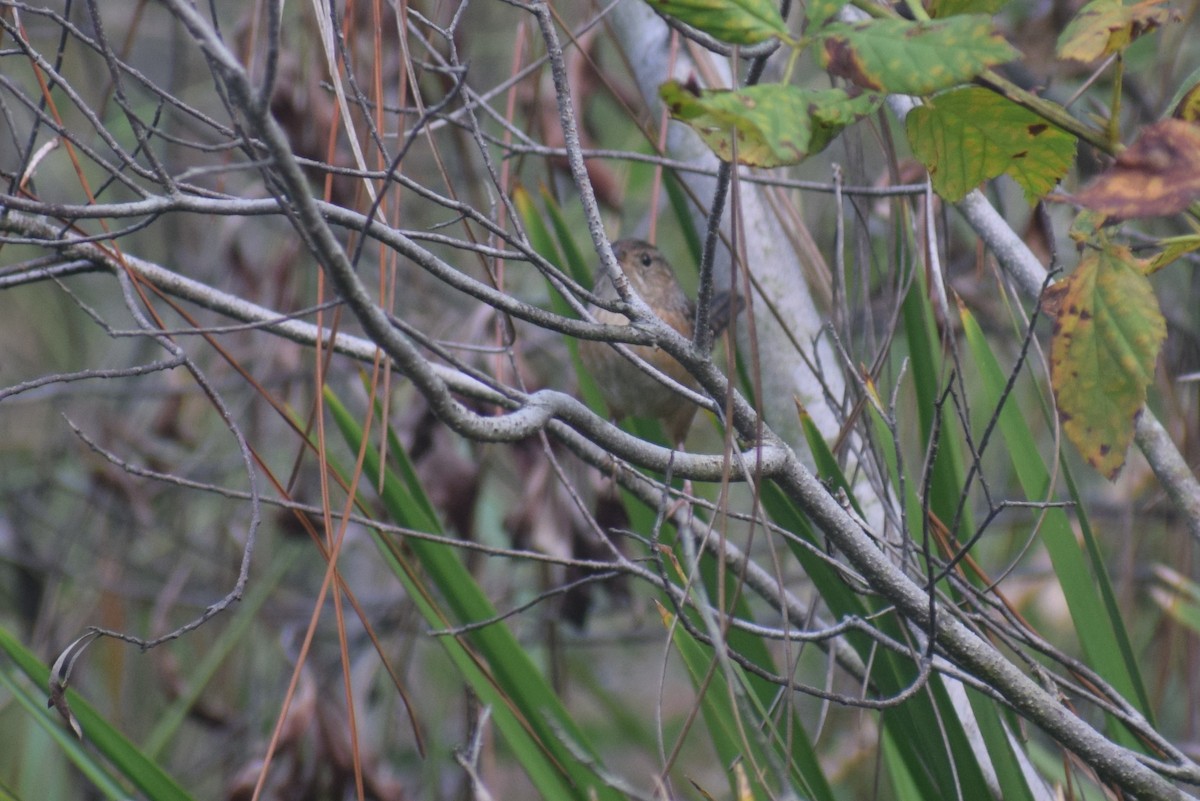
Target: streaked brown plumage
(626,389)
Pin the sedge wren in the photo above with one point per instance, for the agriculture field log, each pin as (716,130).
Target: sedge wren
(626,389)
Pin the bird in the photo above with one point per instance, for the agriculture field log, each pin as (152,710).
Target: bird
(627,390)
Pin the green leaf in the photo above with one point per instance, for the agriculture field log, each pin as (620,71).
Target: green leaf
(949,8)
(965,137)
(774,124)
(821,10)
(744,22)
(915,58)
(1103,27)
(1107,333)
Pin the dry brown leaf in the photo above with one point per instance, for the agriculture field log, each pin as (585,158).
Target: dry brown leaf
(1158,175)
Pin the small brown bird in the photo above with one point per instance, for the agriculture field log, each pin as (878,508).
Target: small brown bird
(626,389)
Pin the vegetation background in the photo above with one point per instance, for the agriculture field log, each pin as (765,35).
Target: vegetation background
(199,406)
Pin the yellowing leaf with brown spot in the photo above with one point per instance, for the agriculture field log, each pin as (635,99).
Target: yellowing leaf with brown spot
(1107,333)
(1103,27)
(1185,105)
(967,136)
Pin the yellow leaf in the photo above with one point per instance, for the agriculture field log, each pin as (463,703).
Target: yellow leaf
(1107,333)
(1103,27)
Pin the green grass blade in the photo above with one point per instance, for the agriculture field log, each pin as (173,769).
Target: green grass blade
(720,713)
(75,751)
(8,795)
(1000,749)
(1104,586)
(681,209)
(828,469)
(1178,596)
(545,244)
(538,764)
(926,363)
(913,723)
(801,759)
(505,673)
(1100,635)
(578,261)
(123,755)
(916,732)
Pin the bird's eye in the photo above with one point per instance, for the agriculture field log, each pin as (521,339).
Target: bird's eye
(646,259)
